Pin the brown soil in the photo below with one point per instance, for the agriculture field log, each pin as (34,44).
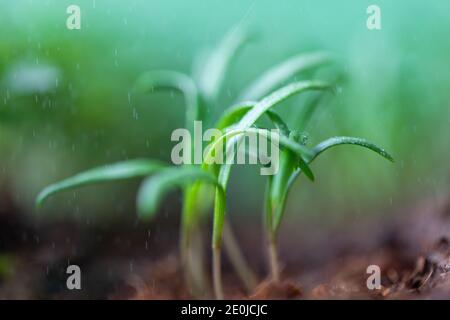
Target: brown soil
(133,262)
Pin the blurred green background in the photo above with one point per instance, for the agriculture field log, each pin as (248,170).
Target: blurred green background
(67,100)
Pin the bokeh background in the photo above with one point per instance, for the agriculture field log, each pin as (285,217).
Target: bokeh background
(67,101)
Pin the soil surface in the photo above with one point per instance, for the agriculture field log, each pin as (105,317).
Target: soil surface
(131,261)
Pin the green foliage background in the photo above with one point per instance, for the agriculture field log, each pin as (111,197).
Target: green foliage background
(393,91)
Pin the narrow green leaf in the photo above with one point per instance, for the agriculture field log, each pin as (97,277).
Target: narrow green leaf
(282,72)
(219,205)
(279,182)
(197,199)
(277,97)
(233,114)
(335,141)
(298,149)
(325,145)
(152,80)
(214,69)
(269,102)
(154,188)
(279,212)
(268,204)
(244,124)
(278,122)
(113,172)
(258,109)
(219,217)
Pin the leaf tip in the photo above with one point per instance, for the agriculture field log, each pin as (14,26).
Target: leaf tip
(390,158)
(146,209)
(310,175)
(40,199)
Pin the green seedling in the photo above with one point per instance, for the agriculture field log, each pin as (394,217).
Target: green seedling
(200,99)
(295,158)
(201,94)
(280,184)
(241,118)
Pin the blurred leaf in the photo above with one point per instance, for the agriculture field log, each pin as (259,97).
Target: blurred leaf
(154,188)
(279,74)
(214,69)
(113,172)
(152,80)
(233,114)
(27,78)
(277,97)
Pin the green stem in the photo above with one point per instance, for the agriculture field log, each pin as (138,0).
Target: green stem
(196,264)
(217,273)
(271,233)
(219,219)
(191,250)
(237,259)
(273,259)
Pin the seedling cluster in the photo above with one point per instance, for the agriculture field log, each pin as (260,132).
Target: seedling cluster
(205,185)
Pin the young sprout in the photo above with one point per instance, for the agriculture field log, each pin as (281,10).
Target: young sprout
(245,116)
(280,184)
(201,95)
(291,164)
